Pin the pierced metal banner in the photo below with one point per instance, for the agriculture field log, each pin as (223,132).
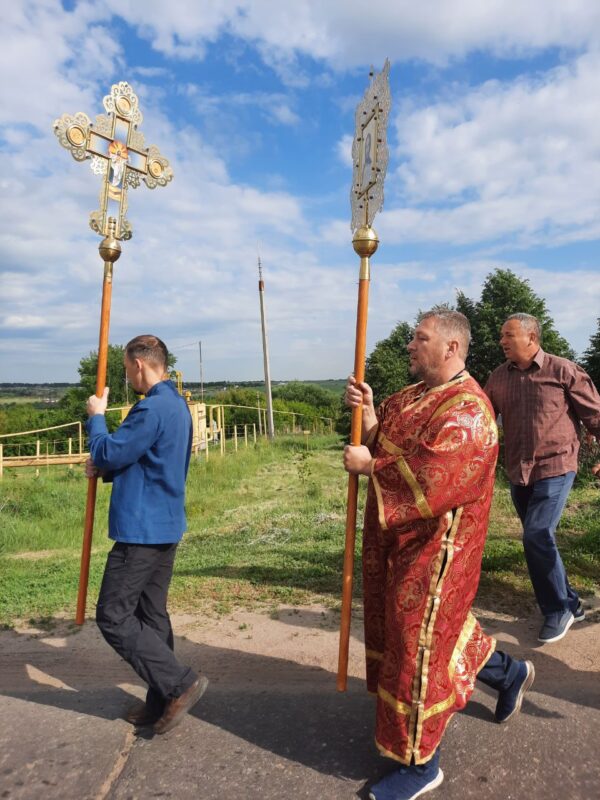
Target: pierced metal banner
(117,152)
(370,151)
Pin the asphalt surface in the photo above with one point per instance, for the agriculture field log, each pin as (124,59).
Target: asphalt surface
(271,724)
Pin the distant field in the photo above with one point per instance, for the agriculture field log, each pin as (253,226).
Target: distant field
(6,400)
(36,393)
(334,385)
(39,392)
(265,526)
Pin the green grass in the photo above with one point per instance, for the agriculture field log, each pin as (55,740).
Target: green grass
(504,578)
(265,526)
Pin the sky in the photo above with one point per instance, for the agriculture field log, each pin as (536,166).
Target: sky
(494,162)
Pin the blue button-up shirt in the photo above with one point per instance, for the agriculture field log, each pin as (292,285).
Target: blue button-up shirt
(147,459)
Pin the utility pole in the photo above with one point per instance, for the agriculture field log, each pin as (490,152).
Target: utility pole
(261,294)
(201,374)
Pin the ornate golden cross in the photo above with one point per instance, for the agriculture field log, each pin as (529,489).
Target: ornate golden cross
(116,149)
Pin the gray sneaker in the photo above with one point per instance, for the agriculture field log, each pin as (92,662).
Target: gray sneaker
(579,613)
(555,626)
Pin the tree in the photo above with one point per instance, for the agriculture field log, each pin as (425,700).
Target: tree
(590,360)
(386,369)
(75,399)
(323,401)
(503,294)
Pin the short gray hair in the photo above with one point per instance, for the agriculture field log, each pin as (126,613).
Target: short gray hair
(452,324)
(529,323)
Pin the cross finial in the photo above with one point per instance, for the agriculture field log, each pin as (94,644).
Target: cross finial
(116,149)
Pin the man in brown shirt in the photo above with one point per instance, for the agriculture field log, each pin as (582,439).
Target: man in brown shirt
(542,399)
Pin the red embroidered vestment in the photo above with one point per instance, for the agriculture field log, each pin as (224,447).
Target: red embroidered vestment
(426,521)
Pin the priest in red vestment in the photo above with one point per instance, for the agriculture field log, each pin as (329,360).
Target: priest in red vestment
(430,454)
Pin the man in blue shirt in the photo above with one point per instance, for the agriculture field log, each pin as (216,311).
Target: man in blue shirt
(146,459)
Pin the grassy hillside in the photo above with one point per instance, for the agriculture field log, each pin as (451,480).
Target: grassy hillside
(266,526)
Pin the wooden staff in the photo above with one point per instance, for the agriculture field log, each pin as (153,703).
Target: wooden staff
(365,243)
(110,250)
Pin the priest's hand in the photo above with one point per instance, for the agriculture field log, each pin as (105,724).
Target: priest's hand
(357,393)
(97,405)
(358,460)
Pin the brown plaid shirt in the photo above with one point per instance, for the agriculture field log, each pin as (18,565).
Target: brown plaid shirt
(541,409)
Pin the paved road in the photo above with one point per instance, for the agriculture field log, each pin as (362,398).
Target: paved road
(271,724)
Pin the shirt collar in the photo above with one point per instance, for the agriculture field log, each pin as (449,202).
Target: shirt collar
(538,360)
(158,387)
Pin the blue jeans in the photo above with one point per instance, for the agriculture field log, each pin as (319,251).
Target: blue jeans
(539,507)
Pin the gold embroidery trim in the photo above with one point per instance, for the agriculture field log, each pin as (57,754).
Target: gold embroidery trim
(435,578)
(465,398)
(427,393)
(462,640)
(489,655)
(428,627)
(380,508)
(397,705)
(372,435)
(374,654)
(420,500)
(464,637)
(388,445)
(388,753)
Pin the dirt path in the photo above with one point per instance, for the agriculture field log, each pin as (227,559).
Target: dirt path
(272,725)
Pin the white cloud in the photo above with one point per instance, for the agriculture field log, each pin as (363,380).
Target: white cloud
(517,160)
(58,57)
(512,163)
(346,33)
(344,150)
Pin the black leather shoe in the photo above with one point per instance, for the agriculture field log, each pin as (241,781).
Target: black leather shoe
(176,708)
(140,715)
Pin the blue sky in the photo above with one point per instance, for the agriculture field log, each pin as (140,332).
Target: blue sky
(494,162)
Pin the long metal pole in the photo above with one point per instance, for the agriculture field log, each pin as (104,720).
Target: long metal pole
(265,343)
(110,250)
(365,244)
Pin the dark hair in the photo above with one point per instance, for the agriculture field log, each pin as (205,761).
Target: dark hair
(148,348)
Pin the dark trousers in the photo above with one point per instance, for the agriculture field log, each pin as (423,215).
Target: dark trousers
(539,507)
(499,671)
(132,617)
